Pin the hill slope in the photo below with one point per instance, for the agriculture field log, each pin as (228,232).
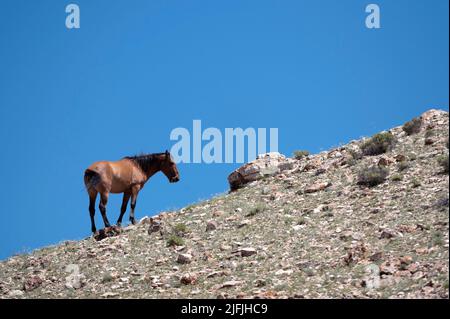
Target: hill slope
(311,232)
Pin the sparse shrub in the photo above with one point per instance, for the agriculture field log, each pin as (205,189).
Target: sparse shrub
(443,162)
(256,210)
(107,277)
(372,176)
(380,143)
(413,126)
(351,162)
(355,154)
(397,178)
(437,239)
(190,208)
(415,183)
(300,154)
(402,166)
(429,133)
(180,229)
(442,202)
(175,240)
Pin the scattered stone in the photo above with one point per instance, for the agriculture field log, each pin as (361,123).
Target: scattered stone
(400,158)
(247,252)
(110,295)
(188,279)
(154,226)
(244,223)
(389,267)
(215,274)
(15,293)
(385,161)
(389,233)
(76,279)
(268,164)
(229,284)
(32,283)
(211,225)
(107,232)
(282,272)
(184,258)
(317,187)
(372,279)
(376,257)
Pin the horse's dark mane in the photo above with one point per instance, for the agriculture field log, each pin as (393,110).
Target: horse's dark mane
(144,161)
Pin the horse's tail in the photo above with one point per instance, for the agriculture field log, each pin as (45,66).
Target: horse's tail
(91,179)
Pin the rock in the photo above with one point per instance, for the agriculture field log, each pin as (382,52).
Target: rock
(110,295)
(400,158)
(376,257)
(385,161)
(217,213)
(429,115)
(155,226)
(268,164)
(429,141)
(188,279)
(389,267)
(184,258)
(282,272)
(75,280)
(107,232)
(224,247)
(211,225)
(247,252)
(15,293)
(313,164)
(372,279)
(244,223)
(405,261)
(317,187)
(145,220)
(32,283)
(231,283)
(389,233)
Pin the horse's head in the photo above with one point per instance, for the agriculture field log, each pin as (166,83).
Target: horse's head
(169,168)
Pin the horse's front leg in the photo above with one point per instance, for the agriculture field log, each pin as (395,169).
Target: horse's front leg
(134,194)
(123,208)
(102,207)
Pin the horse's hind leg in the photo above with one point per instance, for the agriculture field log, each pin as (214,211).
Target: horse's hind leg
(123,209)
(102,207)
(134,195)
(92,198)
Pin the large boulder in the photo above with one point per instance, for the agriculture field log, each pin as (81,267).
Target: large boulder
(268,164)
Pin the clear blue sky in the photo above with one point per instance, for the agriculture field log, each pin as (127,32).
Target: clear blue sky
(137,69)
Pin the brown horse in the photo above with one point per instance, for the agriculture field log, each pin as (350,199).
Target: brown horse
(127,176)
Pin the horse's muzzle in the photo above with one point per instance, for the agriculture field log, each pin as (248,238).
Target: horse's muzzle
(174,179)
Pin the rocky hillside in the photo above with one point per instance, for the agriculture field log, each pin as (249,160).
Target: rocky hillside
(366,220)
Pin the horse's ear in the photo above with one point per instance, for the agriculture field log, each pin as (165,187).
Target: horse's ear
(167,154)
